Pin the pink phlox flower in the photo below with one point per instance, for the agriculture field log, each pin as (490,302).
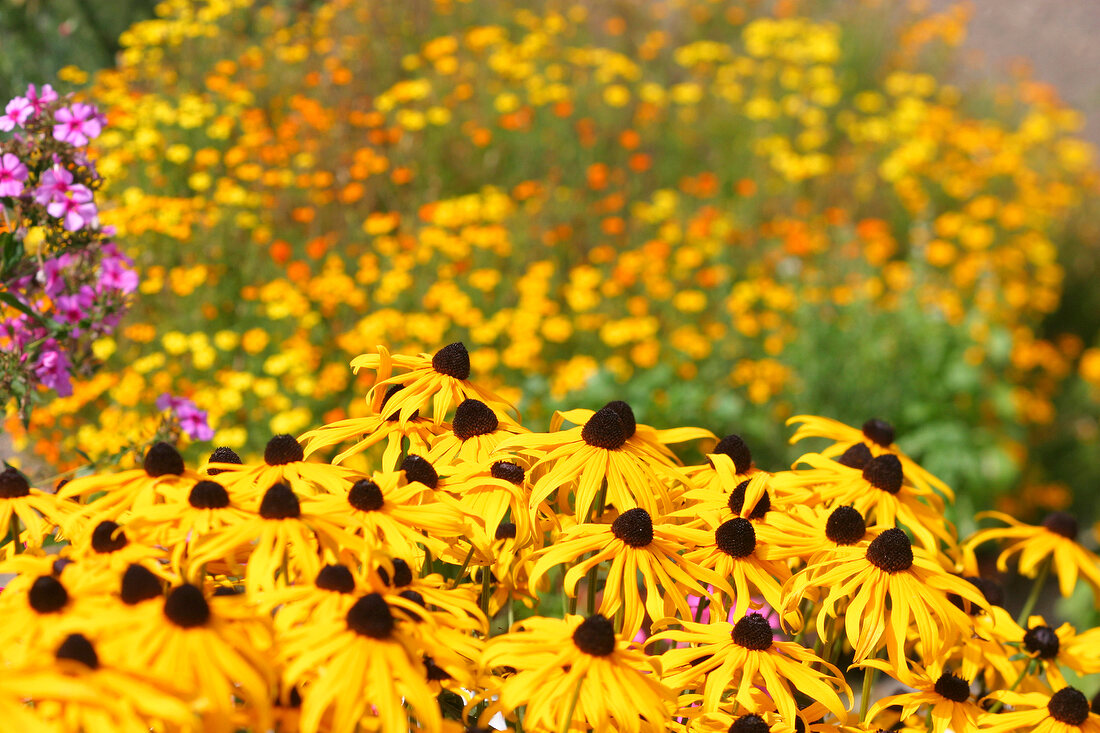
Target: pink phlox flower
(51,276)
(53,185)
(77,207)
(192,420)
(77,124)
(75,308)
(12,174)
(38,101)
(16,114)
(115,273)
(52,370)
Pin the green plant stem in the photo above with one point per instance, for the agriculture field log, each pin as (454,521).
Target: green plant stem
(699,607)
(426,568)
(1036,588)
(486,594)
(594,573)
(996,707)
(567,720)
(462,570)
(865,694)
(15,534)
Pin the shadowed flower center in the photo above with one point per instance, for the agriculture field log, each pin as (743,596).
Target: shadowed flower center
(13,484)
(734,447)
(953,688)
(453,361)
(371,616)
(595,636)
(1062,524)
(336,578)
(433,672)
(419,469)
(108,537)
(77,648)
(47,595)
(186,607)
(884,472)
(473,417)
(508,471)
(736,538)
(208,495)
(857,457)
(1069,706)
(737,502)
(634,527)
(402,574)
(1042,641)
(163,460)
(604,429)
(891,551)
(506,530)
(414,597)
(753,632)
(283,449)
(139,584)
(879,431)
(366,496)
(626,414)
(223,455)
(280,502)
(845,526)
(751,723)
(393,416)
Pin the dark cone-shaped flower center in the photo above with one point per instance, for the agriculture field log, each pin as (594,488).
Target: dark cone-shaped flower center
(77,648)
(453,360)
(473,417)
(753,632)
(879,431)
(1042,641)
(751,723)
(508,471)
(280,502)
(604,429)
(734,447)
(1062,524)
(884,472)
(595,636)
(336,578)
(108,537)
(626,414)
(163,460)
(953,688)
(1096,703)
(634,527)
(736,538)
(414,597)
(402,573)
(433,672)
(736,502)
(857,457)
(208,495)
(891,551)
(223,455)
(371,616)
(1069,706)
(419,469)
(47,595)
(366,496)
(845,526)
(506,531)
(13,484)
(283,449)
(186,607)
(393,416)
(139,584)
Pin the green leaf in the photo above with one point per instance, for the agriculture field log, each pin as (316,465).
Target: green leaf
(11,252)
(23,308)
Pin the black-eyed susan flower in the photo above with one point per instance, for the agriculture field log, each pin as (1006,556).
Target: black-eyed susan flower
(40,611)
(945,696)
(1065,711)
(636,547)
(1052,648)
(576,673)
(489,495)
(475,433)
(39,513)
(284,462)
(740,657)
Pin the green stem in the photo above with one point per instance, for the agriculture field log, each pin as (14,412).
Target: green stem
(996,707)
(1040,581)
(594,573)
(486,594)
(15,534)
(700,606)
(567,720)
(865,694)
(426,568)
(462,570)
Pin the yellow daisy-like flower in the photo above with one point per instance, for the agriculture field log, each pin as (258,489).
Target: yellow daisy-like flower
(488,495)
(1053,648)
(1054,541)
(105,552)
(284,462)
(475,433)
(876,437)
(576,674)
(635,546)
(441,381)
(950,704)
(887,584)
(39,512)
(743,656)
(1065,711)
(710,505)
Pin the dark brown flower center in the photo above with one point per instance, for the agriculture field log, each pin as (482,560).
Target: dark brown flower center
(884,472)
(223,455)
(751,723)
(734,447)
(13,484)
(891,551)
(433,672)
(283,449)
(845,526)
(472,418)
(1063,524)
(1042,641)
(419,469)
(1069,706)
(280,502)
(186,607)
(604,429)
(396,414)
(736,538)
(336,578)
(506,531)
(139,584)
(508,471)
(371,616)
(857,457)
(879,431)
(366,496)
(452,360)
(626,414)
(47,595)
(953,688)
(163,460)
(634,527)
(595,636)
(108,537)
(77,648)
(736,502)
(753,632)
(414,597)
(208,495)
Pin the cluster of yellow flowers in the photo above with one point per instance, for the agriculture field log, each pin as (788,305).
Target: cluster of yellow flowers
(293,594)
(579,195)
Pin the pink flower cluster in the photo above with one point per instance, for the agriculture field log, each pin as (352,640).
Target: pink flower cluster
(192,420)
